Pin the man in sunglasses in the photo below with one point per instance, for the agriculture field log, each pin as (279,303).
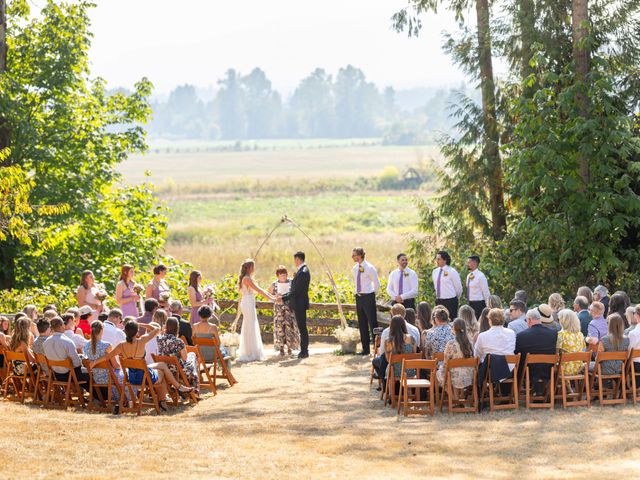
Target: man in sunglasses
(518,321)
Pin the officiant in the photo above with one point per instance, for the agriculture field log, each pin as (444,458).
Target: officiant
(285,327)
(402,286)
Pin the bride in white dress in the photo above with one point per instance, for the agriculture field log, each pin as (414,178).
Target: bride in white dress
(250,340)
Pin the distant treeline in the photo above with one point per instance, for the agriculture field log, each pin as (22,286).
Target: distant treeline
(322,106)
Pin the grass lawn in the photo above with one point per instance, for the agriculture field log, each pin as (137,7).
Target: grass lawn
(317,419)
(202,166)
(216,233)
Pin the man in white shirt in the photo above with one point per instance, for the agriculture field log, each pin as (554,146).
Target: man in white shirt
(477,286)
(446,283)
(112,333)
(367,285)
(399,310)
(402,286)
(69,327)
(497,340)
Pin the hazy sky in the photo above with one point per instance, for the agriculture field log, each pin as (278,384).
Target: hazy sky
(195,41)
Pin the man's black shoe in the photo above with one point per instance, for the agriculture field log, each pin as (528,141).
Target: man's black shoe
(303,355)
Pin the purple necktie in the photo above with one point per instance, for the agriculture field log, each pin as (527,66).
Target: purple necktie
(359,282)
(400,283)
(438,284)
(468,283)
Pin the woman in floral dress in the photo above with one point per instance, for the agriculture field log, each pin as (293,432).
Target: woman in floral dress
(459,347)
(285,328)
(570,340)
(170,345)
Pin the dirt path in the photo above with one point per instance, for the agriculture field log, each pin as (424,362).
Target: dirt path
(316,418)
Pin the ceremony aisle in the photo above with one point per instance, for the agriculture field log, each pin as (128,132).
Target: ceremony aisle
(316,418)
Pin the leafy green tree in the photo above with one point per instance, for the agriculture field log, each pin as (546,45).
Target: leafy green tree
(357,103)
(263,106)
(70,134)
(313,106)
(230,105)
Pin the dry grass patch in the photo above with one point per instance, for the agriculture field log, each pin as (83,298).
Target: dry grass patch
(317,418)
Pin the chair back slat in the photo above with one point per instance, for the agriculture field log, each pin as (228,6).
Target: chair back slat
(575,357)
(15,356)
(462,363)
(135,363)
(541,358)
(606,356)
(66,363)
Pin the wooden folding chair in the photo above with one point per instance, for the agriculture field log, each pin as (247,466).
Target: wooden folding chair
(217,359)
(69,388)
(42,380)
(95,389)
(376,347)
(204,370)
(390,390)
(410,388)
(497,399)
(145,388)
(170,360)
(547,400)
(618,391)
(451,392)
(21,385)
(579,383)
(632,374)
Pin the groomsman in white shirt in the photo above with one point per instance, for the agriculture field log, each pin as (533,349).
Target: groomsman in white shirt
(402,286)
(477,286)
(367,285)
(446,282)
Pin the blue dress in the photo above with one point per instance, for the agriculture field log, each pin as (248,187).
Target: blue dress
(101,375)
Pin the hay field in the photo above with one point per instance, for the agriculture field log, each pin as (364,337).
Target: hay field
(317,419)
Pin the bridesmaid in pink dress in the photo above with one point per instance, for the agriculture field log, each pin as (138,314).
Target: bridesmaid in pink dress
(86,294)
(126,296)
(158,287)
(196,296)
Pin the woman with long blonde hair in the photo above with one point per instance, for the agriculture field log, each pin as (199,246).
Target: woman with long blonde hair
(251,348)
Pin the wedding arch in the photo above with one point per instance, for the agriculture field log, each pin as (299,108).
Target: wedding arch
(285,220)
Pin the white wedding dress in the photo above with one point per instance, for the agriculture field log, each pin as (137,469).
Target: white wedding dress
(250,349)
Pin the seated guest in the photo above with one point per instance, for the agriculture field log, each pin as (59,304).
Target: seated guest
(44,331)
(634,337)
(69,328)
(150,306)
(618,304)
(97,348)
(497,340)
(547,317)
(632,319)
(184,327)
(459,347)
(75,311)
(60,347)
(580,306)
(170,345)
(585,292)
(410,317)
(614,341)
(134,348)
(467,314)
(483,321)
(598,327)
(86,315)
(601,294)
(20,341)
(398,310)
(518,321)
(556,302)
(494,302)
(437,338)
(4,325)
(112,332)
(537,339)
(570,339)
(424,316)
(399,342)
(151,347)
(206,329)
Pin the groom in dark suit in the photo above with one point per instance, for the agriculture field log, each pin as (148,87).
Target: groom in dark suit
(298,300)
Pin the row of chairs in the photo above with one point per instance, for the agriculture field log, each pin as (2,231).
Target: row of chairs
(571,390)
(38,383)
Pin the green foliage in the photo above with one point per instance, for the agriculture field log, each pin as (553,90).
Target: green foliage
(13,301)
(70,134)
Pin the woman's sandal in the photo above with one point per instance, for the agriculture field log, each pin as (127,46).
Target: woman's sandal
(184,389)
(163,406)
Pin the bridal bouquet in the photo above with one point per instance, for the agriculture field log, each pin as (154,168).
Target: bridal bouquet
(101,294)
(230,339)
(138,288)
(208,292)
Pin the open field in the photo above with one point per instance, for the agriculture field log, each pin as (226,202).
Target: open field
(288,161)
(216,233)
(317,419)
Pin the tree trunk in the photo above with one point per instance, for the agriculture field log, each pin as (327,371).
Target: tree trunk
(3,36)
(491,146)
(526,22)
(580,29)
